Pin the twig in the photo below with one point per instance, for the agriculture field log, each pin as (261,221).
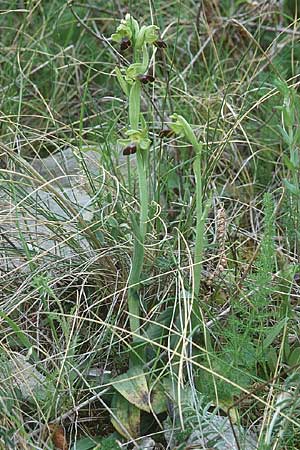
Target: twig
(276,29)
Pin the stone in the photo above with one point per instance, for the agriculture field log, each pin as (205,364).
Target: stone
(38,216)
(146,443)
(18,372)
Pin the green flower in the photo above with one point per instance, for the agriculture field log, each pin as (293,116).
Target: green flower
(128,28)
(138,138)
(134,70)
(147,35)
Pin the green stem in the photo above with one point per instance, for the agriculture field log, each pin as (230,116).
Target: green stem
(184,128)
(140,234)
(138,252)
(199,223)
(138,255)
(135,105)
(143,194)
(295,181)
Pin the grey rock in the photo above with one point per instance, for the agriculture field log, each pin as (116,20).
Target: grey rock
(146,443)
(18,372)
(66,165)
(48,217)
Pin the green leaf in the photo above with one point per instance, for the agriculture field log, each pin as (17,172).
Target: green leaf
(126,418)
(157,330)
(132,385)
(181,127)
(158,399)
(272,333)
(286,349)
(272,358)
(289,164)
(294,357)
(286,138)
(291,188)
(86,443)
(21,337)
(124,85)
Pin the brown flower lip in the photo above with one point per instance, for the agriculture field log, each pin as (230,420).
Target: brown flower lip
(129,150)
(160,44)
(145,79)
(125,44)
(166,132)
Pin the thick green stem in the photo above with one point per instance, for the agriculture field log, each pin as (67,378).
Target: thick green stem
(137,263)
(295,181)
(138,253)
(135,105)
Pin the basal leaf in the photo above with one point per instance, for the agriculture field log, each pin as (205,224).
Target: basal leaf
(294,357)
(132,385)
(127,417)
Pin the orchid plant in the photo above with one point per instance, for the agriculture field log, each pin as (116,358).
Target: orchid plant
(131,79)
(131,390)
(131,395)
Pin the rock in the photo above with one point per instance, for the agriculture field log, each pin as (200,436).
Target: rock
(48,227)
(47,219)
(18,372)
(46,214)
(66,165)
(146,443)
